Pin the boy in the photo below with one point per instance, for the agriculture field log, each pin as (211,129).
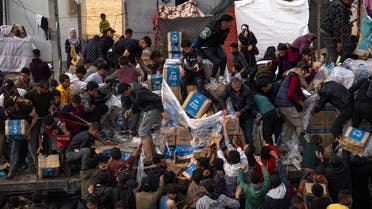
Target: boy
(69,113)
(64,89)
(104,24)
(192,71)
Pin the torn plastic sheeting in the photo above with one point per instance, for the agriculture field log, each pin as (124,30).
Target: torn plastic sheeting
(170,100)
(342,76)
(361,68)
(309,104)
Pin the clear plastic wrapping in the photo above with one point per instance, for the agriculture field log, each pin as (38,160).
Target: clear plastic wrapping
(342,76)
(361,68)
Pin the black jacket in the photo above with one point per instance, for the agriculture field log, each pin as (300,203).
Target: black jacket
(359,176)
(145,99)
(103,94)
(92,49)
(334,93)
(105,196)
(124,194)
(242,101)
(104,45)
(364,95)
(217,36)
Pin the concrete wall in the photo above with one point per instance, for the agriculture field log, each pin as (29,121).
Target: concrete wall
(27,17)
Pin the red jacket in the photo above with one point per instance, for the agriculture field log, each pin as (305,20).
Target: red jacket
(270,164)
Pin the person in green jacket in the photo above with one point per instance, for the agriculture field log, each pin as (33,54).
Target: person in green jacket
(255,192)
(309,158)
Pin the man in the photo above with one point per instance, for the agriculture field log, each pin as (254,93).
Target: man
(156,63)
(64,89)
(98,76)
(89,67)
(336,27)
(152,107)
(345,200)
(239,58)
(126,74)
(9,91)
(242,102)
(169,197)
(130,48)
(211,199)
(211,41)
(19,111)
(249,49)
(128,34)
(69,112)
(192,71)
(286,60)
(23,80)
(91,50)
(79,148)
(363,102)
(338,96)
(254,192)
(290,102)
(39,69)
(106,43)
(42,100)
(97,101)
(80,73)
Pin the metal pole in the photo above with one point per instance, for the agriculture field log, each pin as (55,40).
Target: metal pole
(124,16)
(58,36)
(79,21)
(318,5)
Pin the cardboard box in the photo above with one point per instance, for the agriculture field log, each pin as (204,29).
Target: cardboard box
(190,88)
(155,81)
(196,104)
(183,135)
(233,126)
(216,92)
(355,140)
(15,128)
(326,135)
(317,121)
(308,195)
(174,41)
(188,172)
(171,75)
(48,166)
(330,117)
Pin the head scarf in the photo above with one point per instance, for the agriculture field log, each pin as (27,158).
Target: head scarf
(75,41)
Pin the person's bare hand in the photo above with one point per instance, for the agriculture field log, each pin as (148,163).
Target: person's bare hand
(250,47)
(244,166)
(238,191)
(225,112)
(161,178)
(225,120)
(237,114)
(91,189)
(126,53)
(273,153)
(258,160)
(319,155)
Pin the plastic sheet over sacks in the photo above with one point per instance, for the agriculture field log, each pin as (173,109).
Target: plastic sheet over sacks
(342,76)
(361,68)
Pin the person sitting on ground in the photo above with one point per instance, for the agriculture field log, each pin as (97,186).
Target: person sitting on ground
(218,201)
(320,201)
(254,192)
(309,158)
(345,200)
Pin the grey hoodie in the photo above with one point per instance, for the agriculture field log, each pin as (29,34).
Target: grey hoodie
(221,202)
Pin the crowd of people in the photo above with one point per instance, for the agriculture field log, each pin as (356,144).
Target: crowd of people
(232,175)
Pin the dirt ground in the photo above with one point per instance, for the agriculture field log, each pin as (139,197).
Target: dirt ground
(113,11)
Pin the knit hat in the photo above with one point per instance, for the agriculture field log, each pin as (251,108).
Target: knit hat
(282,47)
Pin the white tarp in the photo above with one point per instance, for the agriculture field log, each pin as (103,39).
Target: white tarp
(273,21)
(15,53)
